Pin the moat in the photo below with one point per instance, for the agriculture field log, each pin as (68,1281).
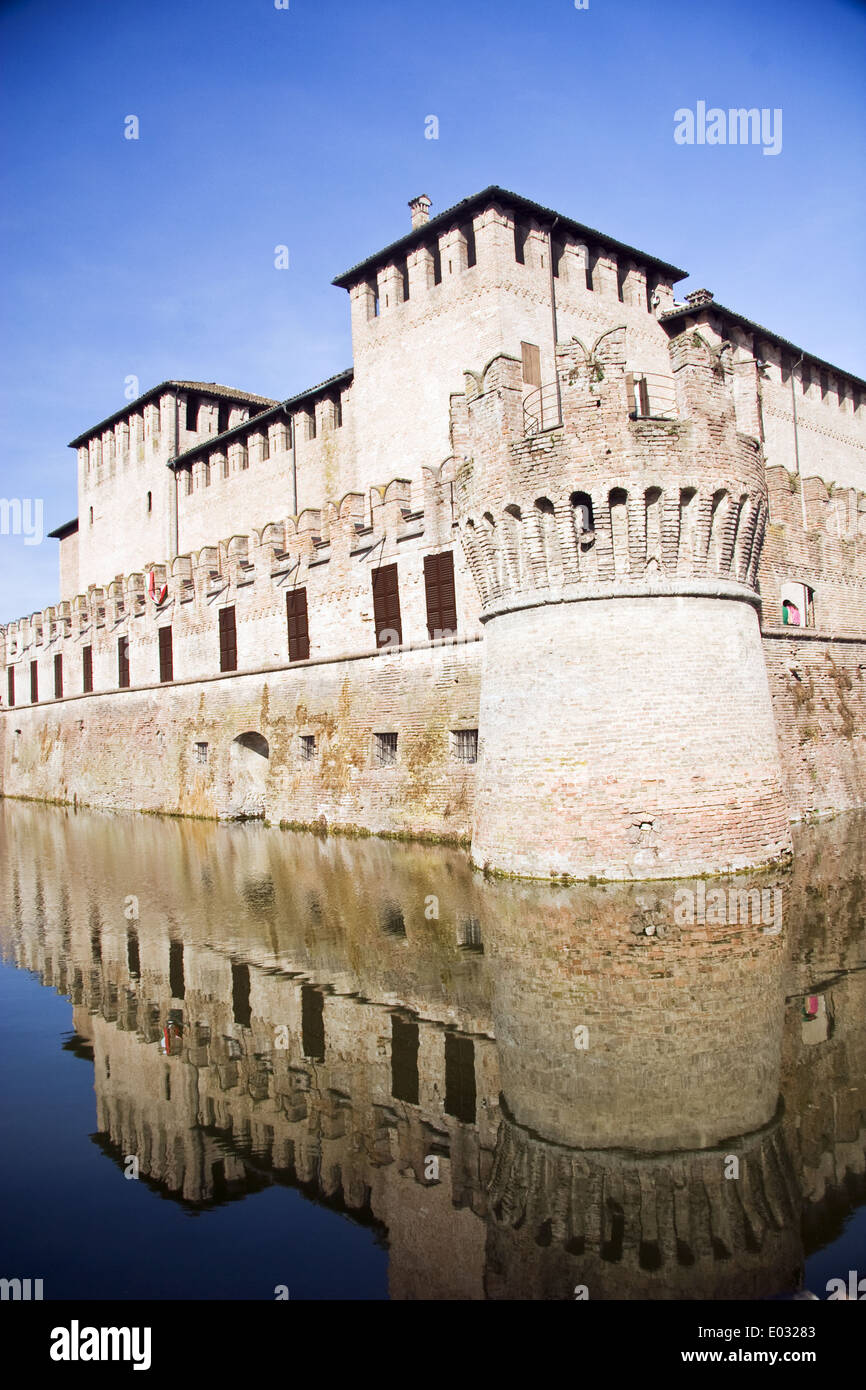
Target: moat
(244,1063)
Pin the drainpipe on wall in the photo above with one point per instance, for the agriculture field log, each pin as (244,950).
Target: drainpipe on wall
(173,539)
(294,436)
(553,322)
(797,440)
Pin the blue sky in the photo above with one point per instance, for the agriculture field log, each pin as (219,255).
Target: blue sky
(305,127)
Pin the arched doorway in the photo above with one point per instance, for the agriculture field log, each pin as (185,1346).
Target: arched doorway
(249,758)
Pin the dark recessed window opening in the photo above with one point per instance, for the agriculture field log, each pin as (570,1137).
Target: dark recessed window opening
(87,670)
(34,682)
(440,595)
(404,1060)
(308,749)
(338,412)
(192,413)
(469,934)
(123,662)
(228,640)
(621,276)
(404,278)
(58,676)
(386,607)
(591,263)
(166,655)
(521,235)
(558,248)
(313,1023)
(298,625)
(241,1011)
(133,956)
(392,920)
(437,263)
(201,752)
(266,445)
(10,683)
(385,750)
(465,745)
(311,423)
(469,236)
(460,1078)
(176,982)
(150,502)
(223,414)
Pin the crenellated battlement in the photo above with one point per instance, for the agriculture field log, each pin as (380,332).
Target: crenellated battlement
(606,497)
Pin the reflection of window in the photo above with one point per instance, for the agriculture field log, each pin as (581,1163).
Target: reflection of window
(460,1078)
(404,1060)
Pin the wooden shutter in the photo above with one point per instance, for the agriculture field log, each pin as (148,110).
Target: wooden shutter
(228,640)
(166,655)
(34,682)
(531,364)
(439,587)
(299,627)
(87,682)
(123,662)
(58,676)
(386,605)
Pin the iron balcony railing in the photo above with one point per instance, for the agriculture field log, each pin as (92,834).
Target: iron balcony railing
(651,396)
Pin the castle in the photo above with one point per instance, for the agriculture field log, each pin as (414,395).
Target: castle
(560,567)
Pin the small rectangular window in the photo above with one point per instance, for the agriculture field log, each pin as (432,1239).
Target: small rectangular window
(404,278)
(311,423)
(386,607)
(469,934)
(87,670)
(312,1023)
(385,750)
(166,655)
(298,624)
(591,263)
(338,412)
(469,237)
(307,744)
(228,640)
(192,413)
(621,277)
(437,263)
(439,590)
(10,691)
(464,744)
(58,676)
(531,364)
(223,416)
(241,1010)
(34,682)
(266,445)
(201,751)
(521,235)
(123,662)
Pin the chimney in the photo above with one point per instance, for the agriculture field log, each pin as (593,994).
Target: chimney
(420,209)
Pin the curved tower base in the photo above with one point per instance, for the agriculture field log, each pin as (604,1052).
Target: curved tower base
(628,737)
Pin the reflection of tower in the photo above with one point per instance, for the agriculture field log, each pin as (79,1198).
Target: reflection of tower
(613,1166)
(626,727)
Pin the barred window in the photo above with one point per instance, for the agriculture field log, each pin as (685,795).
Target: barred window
(469,934)
(201,751)
(385,749)
(464,743)
(308,747)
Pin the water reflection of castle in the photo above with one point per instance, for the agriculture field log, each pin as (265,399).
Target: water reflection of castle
(285,1009)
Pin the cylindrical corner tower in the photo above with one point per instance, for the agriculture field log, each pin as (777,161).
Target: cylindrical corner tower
(626,726)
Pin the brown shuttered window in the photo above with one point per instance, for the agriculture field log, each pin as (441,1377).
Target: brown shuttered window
(87,670)
(228,640)
(299,628)
(10,676)
(34,682)
(58,677)
(439,586)
(166,655)
(531,364)
(123,662)
(386,607)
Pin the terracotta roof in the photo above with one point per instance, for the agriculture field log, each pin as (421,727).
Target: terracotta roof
(206,388)
(706,303)
(495,194)
(207,444)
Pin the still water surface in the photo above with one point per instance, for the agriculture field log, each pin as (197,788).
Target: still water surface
(241,1060)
